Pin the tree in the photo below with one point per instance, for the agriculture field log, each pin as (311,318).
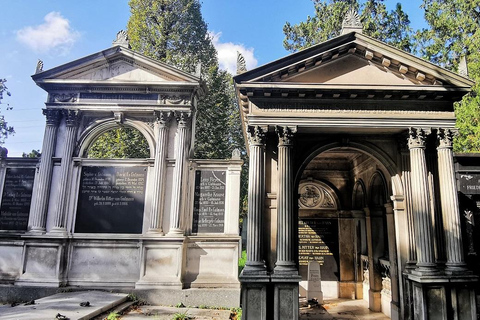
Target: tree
(120,143)
(5,129)
(32,154)
(391,27)
(174,32)
(454,33)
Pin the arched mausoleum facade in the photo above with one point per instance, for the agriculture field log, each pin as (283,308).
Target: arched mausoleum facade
(163,225)
(351,165)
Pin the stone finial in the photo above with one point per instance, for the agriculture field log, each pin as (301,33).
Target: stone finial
(39,66)
(236,155)
(122,39)
(241,65)
(462,66)
(352,22)
(3,152)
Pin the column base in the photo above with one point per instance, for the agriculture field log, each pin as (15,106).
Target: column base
(285,268)
(37,231)
(175,233)
(156,232)
(285,304)
(254,297)
(57,231)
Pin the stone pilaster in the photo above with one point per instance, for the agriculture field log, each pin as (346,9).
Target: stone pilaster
(285,233)
(256,194)
(161,133)
(421,202)
(183,120)
(38,210)
(449,202)
(71,119)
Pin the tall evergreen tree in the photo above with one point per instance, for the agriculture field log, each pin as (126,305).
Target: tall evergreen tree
(391,27)
(174,32)
(454,33)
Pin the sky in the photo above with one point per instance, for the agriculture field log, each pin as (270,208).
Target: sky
(60,31)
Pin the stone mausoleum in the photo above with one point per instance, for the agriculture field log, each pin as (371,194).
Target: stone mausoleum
(351,165)
(164,226)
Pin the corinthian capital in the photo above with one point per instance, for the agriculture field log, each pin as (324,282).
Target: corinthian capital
(53,116)
(256,135)
(163,117)
(417,138)
(285,135)
(183,118)
(445,138)
(71,117)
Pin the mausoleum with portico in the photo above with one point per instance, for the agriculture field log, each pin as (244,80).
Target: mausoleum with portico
(351,165)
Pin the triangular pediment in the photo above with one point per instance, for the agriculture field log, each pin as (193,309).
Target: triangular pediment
(114,66)
(353,70)
(354,59)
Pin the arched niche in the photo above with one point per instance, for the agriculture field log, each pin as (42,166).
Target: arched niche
(359,195)
(99,127)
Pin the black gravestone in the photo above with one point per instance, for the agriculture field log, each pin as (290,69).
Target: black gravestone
(209,202)
(469,183)
(111,200)
(16,198)
(318,241)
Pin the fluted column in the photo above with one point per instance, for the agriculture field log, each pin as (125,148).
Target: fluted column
(285,233)
(71,119)
(43,181)
(183,120)
(449,202)
(421,202)
(161,132)
(256,195)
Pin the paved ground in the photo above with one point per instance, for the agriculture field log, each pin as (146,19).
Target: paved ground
(66,304)
(69,306)
(341,309)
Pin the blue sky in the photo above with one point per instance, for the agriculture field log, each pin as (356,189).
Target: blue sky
(59,31)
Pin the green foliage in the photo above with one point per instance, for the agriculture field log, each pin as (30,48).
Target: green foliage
(113,316)
(391,27)
(5,129)
(180,305)
(32,154)
(120,143)
(181,316)
(241,261)
(454,33)
(236,314)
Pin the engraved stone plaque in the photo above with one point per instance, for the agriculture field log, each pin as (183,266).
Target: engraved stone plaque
(469,183)
(16,198)
(111,200)
(209,202)
(318,241)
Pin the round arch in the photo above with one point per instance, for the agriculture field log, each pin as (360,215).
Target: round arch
(362,146)
(377,180)
(99,127)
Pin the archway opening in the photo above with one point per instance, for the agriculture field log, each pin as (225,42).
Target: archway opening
(342,225)
(119,143)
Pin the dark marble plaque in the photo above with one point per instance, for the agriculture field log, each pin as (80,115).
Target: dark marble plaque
(318,241)
(469,183)
(209,202)
(16,198)
(111,200)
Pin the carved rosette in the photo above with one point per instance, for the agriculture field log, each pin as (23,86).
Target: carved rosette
(163,118)
(285,135)
(183,118)
(417,138)
(71,117)
(445,138)
(256,136)
(53,116)
(314,196)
